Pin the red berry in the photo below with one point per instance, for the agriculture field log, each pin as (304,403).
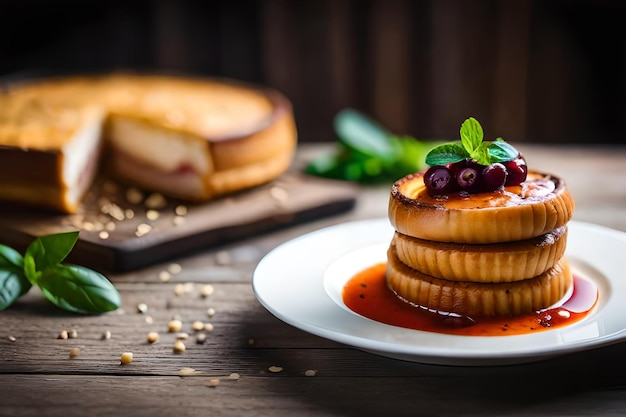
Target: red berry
(517,171)
(439,181)
(494,177)
(468,178)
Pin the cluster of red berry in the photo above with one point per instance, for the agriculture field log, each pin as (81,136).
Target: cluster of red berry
(469,176)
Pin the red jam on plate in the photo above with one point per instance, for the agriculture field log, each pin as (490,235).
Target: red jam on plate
(367,294)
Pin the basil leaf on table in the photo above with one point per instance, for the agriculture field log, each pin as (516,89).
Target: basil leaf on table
(13,282)
(51,249)
(78,289)
(70,287)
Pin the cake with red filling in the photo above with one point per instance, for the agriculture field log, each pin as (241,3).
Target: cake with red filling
(478,234)
(189,138)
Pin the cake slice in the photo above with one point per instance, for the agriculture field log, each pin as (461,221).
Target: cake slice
(48,156)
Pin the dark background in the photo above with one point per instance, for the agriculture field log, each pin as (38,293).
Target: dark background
(537,71)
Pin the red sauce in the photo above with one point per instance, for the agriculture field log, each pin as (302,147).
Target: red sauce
(368,295)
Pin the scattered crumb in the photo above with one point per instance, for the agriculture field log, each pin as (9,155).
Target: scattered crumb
(213,382)
(126,358)
(74,352)
(175,326)
(207,290)
(179,346)
(153,337)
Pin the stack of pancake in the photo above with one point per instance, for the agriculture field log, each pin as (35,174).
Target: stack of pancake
(487,254)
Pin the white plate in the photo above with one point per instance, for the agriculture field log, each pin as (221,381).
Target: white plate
(300,282)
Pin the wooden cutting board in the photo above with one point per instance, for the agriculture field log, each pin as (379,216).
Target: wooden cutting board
(119,233)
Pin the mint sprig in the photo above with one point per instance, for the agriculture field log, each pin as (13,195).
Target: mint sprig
(472,146)
(368,153)
(70,287)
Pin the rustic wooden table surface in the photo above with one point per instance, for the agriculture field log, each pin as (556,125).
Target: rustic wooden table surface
(266,367)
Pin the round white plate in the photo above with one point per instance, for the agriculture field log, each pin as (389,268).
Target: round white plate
(300,282)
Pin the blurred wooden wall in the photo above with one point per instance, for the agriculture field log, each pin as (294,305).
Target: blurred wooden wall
(529,70)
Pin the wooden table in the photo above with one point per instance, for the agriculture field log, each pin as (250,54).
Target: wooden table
(312,376)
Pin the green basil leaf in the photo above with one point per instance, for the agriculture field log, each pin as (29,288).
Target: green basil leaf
(30,270)
(9,256)
(78,289)
(52,249)
(362,134)
(446,153)
(471,134)
(13,282)
(501,151)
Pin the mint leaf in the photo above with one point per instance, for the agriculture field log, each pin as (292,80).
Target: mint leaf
(446,154)
(362,134)
(481,154)
(368,153)
(501,151)
(78,289)
(52,249)
(13,282)
(471,134)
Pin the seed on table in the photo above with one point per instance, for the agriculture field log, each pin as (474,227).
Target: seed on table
(179,289)
(182,336)
(210,312)
(126,358)
(206,290)
(149,319)
(188,372)
(152,214)
(153,337)
(134,195)
(275,369)
(106,335)
(234,375)
(208,327)
(197,325)
(165,276)
(74,352)
(155,201)
(179,346)
(200,338)
(213,383)
(12,339)
(142,308)
(174,268)
(63,335)
(310,372)
(175,326)
(72,334)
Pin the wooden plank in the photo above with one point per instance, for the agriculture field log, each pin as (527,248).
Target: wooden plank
(293,198)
